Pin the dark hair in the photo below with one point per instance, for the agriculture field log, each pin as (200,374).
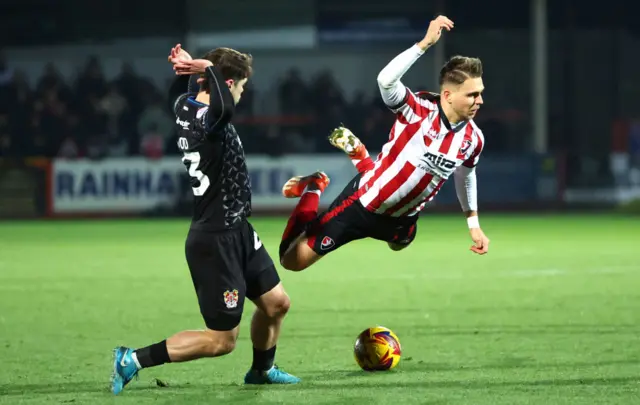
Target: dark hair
(231,63)
(460,68)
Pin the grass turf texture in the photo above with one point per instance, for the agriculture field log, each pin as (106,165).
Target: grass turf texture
(551,315)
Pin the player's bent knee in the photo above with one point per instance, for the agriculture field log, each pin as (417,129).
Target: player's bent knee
(292,263)
(299,256)
(396,247)
(224,347)
(279,307)
(293,258)
(275,303)
(221,342)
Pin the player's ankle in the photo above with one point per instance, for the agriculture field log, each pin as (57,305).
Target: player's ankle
(360,153)
(312,187)
(153,355)
(263,359)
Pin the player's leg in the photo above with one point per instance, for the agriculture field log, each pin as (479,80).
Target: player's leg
(272,304)
(309,188)
(196,344)
(220,287)
(183,346)
(299,254)
(271,309)
(342,223)
(343,139)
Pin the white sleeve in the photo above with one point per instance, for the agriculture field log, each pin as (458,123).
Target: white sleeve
(466,188)
(392,90)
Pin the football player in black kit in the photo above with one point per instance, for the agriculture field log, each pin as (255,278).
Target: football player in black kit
(226,258)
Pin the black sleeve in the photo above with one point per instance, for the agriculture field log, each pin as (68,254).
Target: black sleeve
(221,104)
(179,88)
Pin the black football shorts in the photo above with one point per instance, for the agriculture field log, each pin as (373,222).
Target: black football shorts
(347,220)
(227,267)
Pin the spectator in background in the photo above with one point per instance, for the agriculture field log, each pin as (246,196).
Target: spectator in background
(6,136)
(112,106)
(329,106)
(52,114)
(70,147)
(91,81)
(248,98)
(38,144)
(154,125)
(97,146)
(6,73)
(294,99)
(293,94)
(129,84)
(6,79)
(326,92)
(20,91)
(152,142)
(16,103)
(133,88)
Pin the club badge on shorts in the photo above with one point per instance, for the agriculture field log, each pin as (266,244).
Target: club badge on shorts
(327,243)
(231,298)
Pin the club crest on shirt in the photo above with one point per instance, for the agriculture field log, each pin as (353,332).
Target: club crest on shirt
(231,298)
(466,144)
(463,152)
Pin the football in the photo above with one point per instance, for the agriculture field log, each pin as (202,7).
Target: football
(377,349)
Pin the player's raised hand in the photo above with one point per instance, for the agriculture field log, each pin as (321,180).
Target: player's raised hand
(178,54)
(191,67)
(435,30)
(481,241)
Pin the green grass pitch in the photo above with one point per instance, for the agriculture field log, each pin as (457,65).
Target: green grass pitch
(550,316)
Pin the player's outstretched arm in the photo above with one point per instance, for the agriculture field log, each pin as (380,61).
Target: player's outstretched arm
(467,192)
(393,92)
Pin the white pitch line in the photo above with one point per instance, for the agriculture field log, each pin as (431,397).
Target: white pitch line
(519,273)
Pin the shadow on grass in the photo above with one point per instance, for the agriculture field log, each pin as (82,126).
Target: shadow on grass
(328,381)
(481,330)
(509,364)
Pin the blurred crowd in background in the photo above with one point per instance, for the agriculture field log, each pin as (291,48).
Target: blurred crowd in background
(92,117)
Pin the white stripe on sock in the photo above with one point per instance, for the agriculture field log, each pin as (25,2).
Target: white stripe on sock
(135,360)
(312,191)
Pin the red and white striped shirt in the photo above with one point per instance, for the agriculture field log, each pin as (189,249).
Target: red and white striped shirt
(422,152)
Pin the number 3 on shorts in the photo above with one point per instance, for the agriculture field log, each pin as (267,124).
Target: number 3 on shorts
(257,243)
(192,161)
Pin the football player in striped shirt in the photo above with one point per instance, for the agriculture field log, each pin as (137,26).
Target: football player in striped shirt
(433,138)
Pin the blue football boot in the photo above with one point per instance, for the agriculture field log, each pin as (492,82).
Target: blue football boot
(124,368)
(272,376)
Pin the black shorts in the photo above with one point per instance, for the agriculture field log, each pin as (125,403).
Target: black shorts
(347,220)
(227,267)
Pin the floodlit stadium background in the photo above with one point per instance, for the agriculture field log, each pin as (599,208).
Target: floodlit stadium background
(95,202)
